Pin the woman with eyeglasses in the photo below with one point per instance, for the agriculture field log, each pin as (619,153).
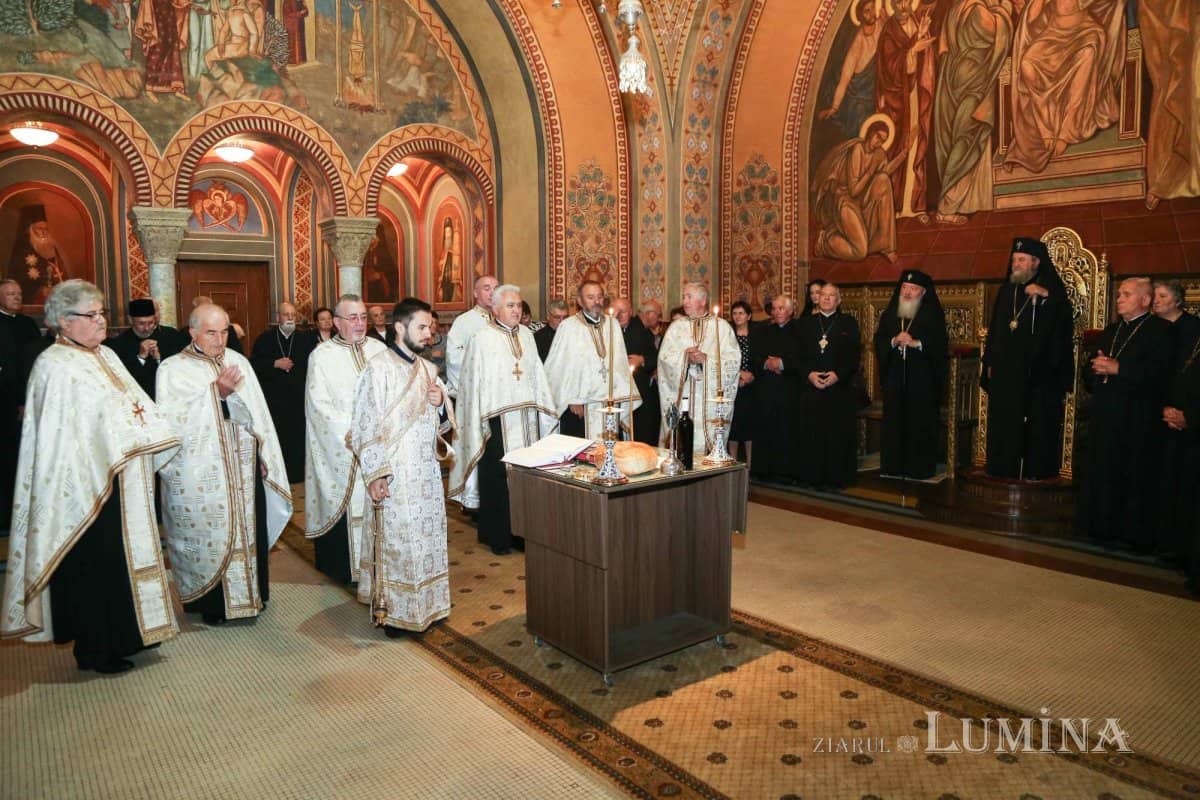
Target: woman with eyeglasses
(85,564)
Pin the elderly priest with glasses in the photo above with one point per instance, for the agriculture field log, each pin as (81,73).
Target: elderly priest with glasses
(84,560)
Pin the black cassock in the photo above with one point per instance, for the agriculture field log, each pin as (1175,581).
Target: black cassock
(777,433)
(640,342)
(284,391)
(1177,488)
(17,333)
(1031,369)
(544,337)
(912,380)
(828,417)
(127,345)
(1124,441)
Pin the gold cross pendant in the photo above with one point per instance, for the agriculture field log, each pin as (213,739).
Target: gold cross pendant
(517,373)
(1012,325)
(139,411)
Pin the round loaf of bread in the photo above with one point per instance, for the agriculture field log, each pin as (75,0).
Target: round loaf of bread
(633,458)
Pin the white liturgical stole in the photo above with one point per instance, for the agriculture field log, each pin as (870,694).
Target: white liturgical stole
(578,369)
(674,371)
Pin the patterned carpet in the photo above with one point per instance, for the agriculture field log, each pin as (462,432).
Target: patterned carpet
(743,720)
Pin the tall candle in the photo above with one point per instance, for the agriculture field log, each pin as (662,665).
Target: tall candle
(611,324)
(720,374)
(631,371)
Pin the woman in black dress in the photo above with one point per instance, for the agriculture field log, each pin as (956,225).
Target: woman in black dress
(743,407)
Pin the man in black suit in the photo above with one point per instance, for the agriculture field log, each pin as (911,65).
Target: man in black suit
(145,343)
(17,331)
(556,312)
(643,360)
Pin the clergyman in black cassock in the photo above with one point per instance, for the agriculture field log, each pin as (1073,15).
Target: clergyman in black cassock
(830,350)
(639,342)
(143,345)
(775,358)
(1128,382)
(17,331)
(280,360)
(1180,477)
(1028,366)
(911,346)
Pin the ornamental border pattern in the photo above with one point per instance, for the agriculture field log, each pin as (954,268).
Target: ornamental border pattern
(302,240)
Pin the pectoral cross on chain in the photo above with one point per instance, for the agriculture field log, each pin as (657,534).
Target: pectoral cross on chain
(517,373)
(139,411)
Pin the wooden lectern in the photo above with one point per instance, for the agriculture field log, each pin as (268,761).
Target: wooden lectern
(619,575)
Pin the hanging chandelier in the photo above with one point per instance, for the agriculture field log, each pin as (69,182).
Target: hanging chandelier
(632,69)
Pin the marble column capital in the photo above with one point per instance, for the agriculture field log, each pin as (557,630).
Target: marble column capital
(160,231)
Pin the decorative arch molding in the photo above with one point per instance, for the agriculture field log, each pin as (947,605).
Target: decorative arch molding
(621,136)
(421,140)
(796,130)
(552,134)
(725,190)
(20,91)
(204,130)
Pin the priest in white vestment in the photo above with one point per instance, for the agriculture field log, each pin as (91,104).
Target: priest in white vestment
(334,492)
(400,413)
(504,403)
(227,497)
(84,561)
(579,366)
(464,327)
(688,357)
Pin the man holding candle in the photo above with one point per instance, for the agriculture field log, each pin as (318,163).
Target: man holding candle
(588,367)
(698,350)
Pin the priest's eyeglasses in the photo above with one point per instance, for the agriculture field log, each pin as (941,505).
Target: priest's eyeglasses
(353,317)
(92,315)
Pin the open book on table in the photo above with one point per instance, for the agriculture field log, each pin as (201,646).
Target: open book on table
(553,449)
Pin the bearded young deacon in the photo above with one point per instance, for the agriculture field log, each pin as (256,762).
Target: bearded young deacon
(84,561)
(504,402)
(911,344)
(145,343)
(334,492)
(1028,366)
(579,363)
(227,496)
(689,355)
(464,327)
(400,414)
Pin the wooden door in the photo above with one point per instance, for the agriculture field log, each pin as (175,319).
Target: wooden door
(240,288)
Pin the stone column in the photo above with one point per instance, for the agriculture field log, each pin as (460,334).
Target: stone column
(349,237)
(160,230)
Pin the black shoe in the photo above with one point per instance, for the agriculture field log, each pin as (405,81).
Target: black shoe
(501,551)
(518,544)
(394,633)
(115,667)
(212,619)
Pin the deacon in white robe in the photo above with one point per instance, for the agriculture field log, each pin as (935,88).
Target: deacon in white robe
(84,561)
(334,492)
(400,413)
(688,356)
(464,328)
(227,497)
(580,363)
(504,403)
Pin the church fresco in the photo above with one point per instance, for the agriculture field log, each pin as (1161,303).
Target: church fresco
(46,237)
(359,69)
(219,206)
(936,111)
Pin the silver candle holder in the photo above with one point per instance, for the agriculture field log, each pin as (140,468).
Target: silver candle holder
(671,465)
(719,455)
(610,474)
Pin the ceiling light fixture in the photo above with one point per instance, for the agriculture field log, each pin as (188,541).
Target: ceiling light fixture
(397,169)
(632,69)
(233,152)
(34,134)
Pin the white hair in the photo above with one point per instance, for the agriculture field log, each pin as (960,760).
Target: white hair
(66,297)
(698,286)
(199,312)
(503,289)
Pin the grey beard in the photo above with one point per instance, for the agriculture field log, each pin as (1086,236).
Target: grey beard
(1021,276)
(145,335)
(907,309)
(44,247)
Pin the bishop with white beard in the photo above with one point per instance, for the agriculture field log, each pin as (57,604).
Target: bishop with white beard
(400,414)
(689,354)
(227,497)
(579,364)
(334,492)
(504,402)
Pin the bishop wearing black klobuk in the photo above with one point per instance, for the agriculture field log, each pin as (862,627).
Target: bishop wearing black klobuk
(830,350)
(775,360)
(1128,383)
(911,347)
(143,345)
(1181,435)
(280,360)
(1028,367)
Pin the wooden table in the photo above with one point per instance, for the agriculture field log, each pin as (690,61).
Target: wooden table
(619,575)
